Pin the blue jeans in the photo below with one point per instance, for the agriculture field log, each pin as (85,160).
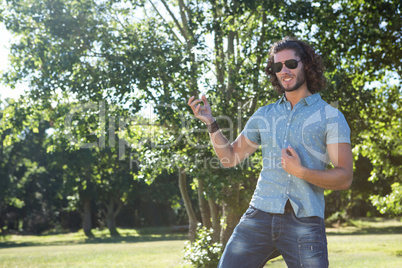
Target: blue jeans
(261,236)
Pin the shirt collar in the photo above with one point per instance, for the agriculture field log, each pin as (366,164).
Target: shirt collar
(309,100)
(283,98)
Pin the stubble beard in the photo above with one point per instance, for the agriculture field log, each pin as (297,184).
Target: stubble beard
(299,82)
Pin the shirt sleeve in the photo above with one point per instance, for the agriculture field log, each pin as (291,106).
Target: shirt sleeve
(252,129)
(338,130)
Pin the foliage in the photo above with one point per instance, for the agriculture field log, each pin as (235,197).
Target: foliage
(97,63)
(391,203)
(358,41)
(203,252)
(46,180)
(32,183)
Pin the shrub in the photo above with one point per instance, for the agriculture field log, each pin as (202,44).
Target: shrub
(391,203)
(203,252)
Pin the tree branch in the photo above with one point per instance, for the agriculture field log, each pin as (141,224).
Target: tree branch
(182,31)
(160,15)
(184,18)
(260,55)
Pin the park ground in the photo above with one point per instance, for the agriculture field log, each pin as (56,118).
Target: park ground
(357,243)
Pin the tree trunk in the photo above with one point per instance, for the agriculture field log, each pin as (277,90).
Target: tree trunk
(230,87)
(87,218)
(111,214)
(205,213)
(230,211)
(216,223)
(260,56)
(192,219)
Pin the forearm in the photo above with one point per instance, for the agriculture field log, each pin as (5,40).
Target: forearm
(230,154)
(223,149)
(333,179)
(338,178)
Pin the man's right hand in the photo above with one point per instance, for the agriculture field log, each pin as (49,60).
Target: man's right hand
(202,112)
(230,154)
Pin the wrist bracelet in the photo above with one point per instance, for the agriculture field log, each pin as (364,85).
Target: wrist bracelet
(213,127)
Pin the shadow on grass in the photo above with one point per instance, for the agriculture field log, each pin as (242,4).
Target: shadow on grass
(135,239)
(367,227)
(366,231)
(142,235)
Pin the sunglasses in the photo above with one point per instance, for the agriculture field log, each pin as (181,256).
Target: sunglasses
(291,64)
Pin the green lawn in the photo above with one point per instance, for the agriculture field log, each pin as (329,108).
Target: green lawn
(147,247)
(364,243)
(144,254)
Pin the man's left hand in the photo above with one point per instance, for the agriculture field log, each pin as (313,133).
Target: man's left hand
(291,162)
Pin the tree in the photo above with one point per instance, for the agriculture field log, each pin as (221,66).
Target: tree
(63,36)
(359,41)
(31,183)
(95,170)
(12,118)
(95,50)
(50,29)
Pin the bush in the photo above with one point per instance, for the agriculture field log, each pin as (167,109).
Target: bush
(203,252)
(390,204)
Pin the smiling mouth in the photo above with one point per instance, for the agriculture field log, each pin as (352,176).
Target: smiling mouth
(287,79)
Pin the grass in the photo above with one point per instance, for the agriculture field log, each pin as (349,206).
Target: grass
(360,243)
(145,254)
(148,247)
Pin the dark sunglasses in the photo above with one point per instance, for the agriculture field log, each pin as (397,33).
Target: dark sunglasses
(291,64)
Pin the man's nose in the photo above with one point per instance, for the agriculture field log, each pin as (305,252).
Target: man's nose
(285,70)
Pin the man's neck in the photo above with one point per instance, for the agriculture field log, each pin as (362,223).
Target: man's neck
(294,96)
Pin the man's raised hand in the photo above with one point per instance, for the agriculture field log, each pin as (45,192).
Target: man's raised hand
(202,112)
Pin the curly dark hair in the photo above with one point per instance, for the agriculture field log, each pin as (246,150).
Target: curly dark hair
(314,72)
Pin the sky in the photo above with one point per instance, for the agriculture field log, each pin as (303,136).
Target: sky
(7,92)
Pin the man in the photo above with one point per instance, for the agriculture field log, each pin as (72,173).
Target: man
(299,135)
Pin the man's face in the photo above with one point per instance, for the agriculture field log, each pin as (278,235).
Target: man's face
(290,79)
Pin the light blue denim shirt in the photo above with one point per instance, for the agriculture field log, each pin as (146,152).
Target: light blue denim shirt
(308,128)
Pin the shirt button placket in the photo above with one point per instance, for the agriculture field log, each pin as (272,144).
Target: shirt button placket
(287,131)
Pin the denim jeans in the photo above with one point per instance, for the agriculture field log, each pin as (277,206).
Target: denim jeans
(261,236)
